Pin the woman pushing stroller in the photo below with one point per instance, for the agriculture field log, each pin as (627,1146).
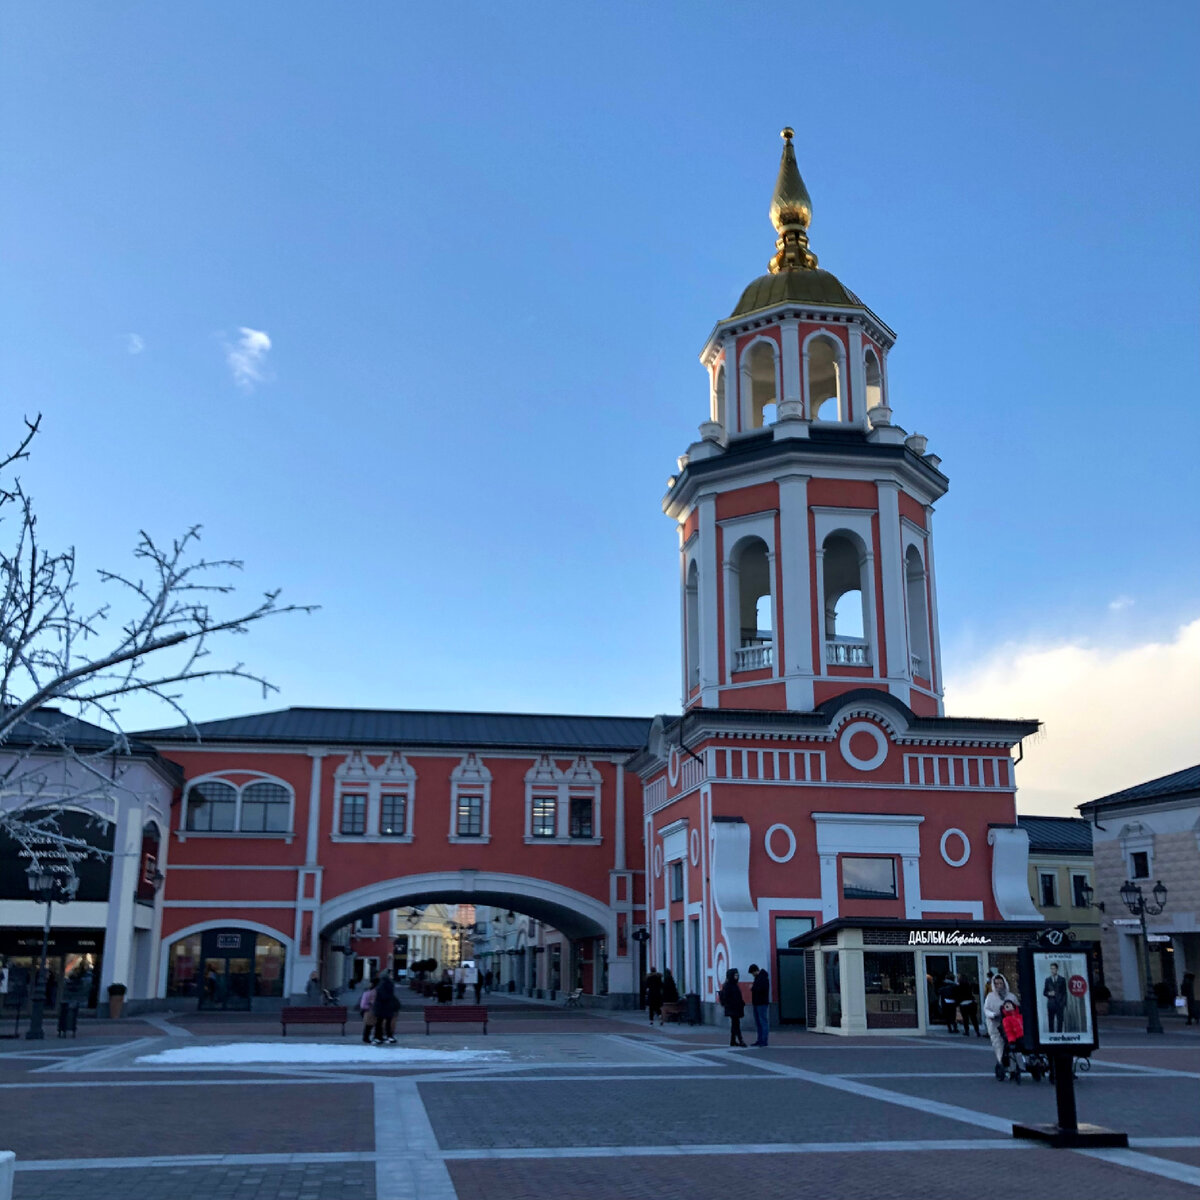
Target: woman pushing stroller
(993,1011)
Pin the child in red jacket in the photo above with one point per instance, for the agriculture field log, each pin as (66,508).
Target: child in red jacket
(1014,1035)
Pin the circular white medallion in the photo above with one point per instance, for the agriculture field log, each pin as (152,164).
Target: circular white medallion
(787,855)
(881,745)
(694,841)
(673,765)
(966,847)
(658,861)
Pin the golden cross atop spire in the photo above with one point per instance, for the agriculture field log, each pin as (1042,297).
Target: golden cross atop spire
(791,212)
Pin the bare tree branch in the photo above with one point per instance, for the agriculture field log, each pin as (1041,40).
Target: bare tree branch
(56,658)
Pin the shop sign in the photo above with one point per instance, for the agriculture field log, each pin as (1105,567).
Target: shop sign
(1157,939)
(89,858)
(943,937)
(1127,922)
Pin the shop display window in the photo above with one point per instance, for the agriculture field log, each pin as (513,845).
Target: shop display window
(890,983)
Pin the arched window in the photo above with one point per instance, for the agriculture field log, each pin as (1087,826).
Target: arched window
(754,605)
(826,391)
(256,806)
(920,662)
(874,378)
(760,379)
(847,642)
(691,622)
(211,807)
(718,401)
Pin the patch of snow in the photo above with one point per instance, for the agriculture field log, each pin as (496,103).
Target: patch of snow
(312,1052)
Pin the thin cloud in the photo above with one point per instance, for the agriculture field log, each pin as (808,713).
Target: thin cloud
(1113,715)
(247,358)
(1120,603)
(134,343)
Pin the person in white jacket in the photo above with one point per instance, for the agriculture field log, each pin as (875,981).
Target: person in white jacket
(993,1007)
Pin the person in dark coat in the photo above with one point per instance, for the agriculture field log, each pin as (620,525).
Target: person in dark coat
(735,1006)
(760,1000)
(948,1002)
(968,1006)
(670,988)
(1187,989)
(654,994)
(386,1007)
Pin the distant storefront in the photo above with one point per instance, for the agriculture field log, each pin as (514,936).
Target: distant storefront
(853,977)
(226,969)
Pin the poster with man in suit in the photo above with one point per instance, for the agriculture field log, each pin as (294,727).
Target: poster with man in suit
(1063,998)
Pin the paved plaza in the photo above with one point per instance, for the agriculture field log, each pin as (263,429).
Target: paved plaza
(580,1104)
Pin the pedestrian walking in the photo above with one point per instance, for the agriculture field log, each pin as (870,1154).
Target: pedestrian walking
(475,981)
(968,1006)
(948,1000)
(366,1006)
(734,1004)
(385,1007)
(460,982)
(993,1011)
(1187,989)
(488,977)
(760,1000)
(653,988)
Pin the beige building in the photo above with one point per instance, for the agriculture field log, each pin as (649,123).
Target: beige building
(1060,868)
(1146,834)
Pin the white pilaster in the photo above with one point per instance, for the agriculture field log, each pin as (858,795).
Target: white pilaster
(936,669)
(733,390)
(790,330)
(858,378)
(892,565)
(709,606)
(619,851)
(126,868)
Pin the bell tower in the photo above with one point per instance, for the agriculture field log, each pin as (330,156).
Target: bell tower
(804,513)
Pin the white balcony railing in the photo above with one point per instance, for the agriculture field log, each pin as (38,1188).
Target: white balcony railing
(841,653)
(753,658)
(916,667)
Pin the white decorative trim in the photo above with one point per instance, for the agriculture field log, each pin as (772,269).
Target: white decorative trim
(472,778)
(881,746)
(355,775)
(791,838)
(966,848)
(694,847)
(1010,873)
(657,858)
(974,907)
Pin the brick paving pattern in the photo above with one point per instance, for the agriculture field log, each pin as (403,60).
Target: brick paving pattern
(880,1176)
(334,1181)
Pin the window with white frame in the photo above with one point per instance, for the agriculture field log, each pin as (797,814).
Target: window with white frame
(545,816)
(676,869)
(255,805)
(1048,888)
(1137,847)
(393,814)
(470,801)
(582,812)
(354,814)
(1079,885)
(1139,862)
(373,797)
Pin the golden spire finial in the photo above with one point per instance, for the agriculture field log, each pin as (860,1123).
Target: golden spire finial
(791,212)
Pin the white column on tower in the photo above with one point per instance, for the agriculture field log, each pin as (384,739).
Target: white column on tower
(858,377)
(796,567)
(893,599)
(733,399)
(710,569)
(790,329)
(936,669)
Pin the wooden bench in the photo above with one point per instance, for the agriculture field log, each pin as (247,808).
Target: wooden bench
(674,1010)
(574,999)
(326,1014)
(455,1014)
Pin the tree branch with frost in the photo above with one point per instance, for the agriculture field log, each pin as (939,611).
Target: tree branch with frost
(55,655)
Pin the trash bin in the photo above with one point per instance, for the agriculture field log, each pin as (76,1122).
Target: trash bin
(68,1019)
(692,999)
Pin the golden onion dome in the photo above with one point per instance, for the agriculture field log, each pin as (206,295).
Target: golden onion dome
(813,286)
(794,276)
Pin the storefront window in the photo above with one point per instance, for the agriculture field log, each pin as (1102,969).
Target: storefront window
(833,989)
(268,966)
(890,983)
(183,966)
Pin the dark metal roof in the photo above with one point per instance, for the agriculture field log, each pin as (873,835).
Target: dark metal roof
(1180,783)
(387,727)
(46,729)
(1057,835)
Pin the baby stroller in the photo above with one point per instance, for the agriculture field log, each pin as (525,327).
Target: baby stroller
(1041,1067)
(1015,1060)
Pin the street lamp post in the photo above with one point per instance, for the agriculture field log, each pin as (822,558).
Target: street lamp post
(1141,908)
(43,884)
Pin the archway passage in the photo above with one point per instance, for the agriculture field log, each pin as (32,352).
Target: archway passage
(580,942)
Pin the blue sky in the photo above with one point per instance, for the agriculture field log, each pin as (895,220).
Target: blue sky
(486,244)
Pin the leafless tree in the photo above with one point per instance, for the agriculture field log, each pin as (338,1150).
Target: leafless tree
(59,661)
